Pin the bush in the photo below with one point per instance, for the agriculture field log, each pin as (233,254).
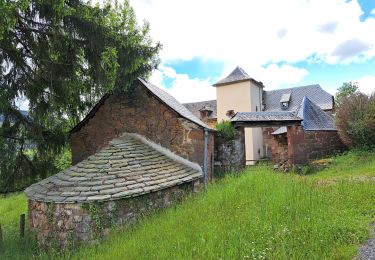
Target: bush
(355,118)
(226,130)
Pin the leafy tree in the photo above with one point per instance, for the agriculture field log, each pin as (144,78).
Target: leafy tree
(62,55)
(355,119)
(347,89)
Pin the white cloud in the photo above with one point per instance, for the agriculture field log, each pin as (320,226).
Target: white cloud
(184,88)
(366,84)
(373,11)
(274,76)
(257,32)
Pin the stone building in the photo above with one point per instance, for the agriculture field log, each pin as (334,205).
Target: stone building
(238,92)
(127,178)
(134,152)
(295,138)
(149,111)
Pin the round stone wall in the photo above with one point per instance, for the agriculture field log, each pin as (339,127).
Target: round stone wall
(64,224)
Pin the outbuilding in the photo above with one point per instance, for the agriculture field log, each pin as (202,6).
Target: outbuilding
(134,152)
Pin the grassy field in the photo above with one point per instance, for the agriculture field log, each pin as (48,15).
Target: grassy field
(259,214)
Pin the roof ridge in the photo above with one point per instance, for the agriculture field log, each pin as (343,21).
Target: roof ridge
(292,88)
(172,102)
(320,120)
(171,155)
(103,176)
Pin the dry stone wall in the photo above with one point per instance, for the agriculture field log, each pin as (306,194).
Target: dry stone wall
(64,225)
(230,154)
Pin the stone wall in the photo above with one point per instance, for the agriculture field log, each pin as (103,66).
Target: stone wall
(298,147)
(230,155)
(64,225)
(268,140)
(304,146)
(139,111)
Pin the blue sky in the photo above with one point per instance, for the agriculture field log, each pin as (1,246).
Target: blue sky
(296,42)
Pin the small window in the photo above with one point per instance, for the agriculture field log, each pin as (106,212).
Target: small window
(284,105)
(256,108)
(284,101)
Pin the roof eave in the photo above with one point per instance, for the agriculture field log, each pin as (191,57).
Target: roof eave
(218,84)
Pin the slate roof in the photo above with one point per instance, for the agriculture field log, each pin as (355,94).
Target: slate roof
(197,106)
(173,103)
(129,166)
(163,96)
(314,92)
(314,118)
(272,99)
(237,75)
(265,116)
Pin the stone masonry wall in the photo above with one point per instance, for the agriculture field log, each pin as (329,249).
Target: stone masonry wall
(298,147)
(138,111)
(268,140)
(304,146)
(230,155)
(63,225)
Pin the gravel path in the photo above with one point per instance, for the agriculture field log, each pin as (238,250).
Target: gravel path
(367,251)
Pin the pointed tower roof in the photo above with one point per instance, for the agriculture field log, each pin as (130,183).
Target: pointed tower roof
(314,118)
(237,75)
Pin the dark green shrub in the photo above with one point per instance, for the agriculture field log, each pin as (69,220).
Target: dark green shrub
(355,119)
(226,130)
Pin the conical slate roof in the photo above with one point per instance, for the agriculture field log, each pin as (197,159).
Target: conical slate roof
(314,118)
(238,74)
(129,166)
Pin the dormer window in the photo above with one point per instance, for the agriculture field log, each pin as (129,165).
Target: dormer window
(205,112)
(284,101)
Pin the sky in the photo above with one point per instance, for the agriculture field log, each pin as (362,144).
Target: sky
(281,43)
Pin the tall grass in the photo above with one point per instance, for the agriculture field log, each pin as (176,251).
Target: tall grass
(13,247)
(259,214)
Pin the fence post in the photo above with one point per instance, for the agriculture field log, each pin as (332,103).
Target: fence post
(22,225)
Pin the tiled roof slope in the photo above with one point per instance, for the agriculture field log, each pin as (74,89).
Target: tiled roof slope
(314,118)
(129,166)
(196,106)
(272,99)
(314,92)
(237,75)
(161,95)
(265,116)
(173,103)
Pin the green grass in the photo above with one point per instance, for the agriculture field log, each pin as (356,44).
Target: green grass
(259,214)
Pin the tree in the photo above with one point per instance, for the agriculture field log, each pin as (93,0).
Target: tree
(355,117)
(62,55)
(347,89)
